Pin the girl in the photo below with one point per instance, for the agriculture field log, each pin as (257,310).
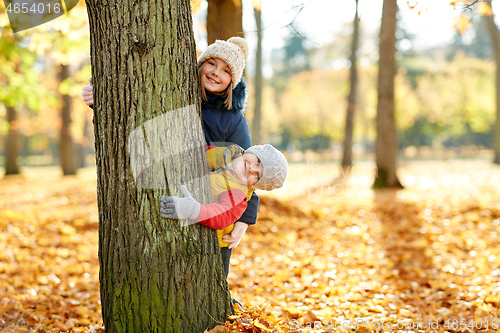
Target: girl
(224,96)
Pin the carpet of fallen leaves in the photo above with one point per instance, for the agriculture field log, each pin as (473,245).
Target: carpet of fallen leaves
(326,248)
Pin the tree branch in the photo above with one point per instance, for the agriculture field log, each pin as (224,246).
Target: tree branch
(301,7)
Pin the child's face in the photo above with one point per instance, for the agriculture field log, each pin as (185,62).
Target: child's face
(216,75)
(248,169)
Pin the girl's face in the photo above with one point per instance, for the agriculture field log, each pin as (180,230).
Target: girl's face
(216,75)
(248,169)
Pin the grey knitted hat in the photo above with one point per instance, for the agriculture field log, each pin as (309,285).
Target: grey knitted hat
(274,164)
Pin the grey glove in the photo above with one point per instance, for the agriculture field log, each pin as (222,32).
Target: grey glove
(180,208)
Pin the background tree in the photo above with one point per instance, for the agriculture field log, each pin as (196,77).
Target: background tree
(224,19)
(495,38)
(459,98)
(386,143)
(351,99)
(480,47)
(19,88)
(288,61)
(66,155)
(12,143)
(58,44)
(311,106)
(35,89)
(257,113)
(155,275)
(292,59)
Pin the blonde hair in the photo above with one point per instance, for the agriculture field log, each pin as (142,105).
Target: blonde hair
(227,94)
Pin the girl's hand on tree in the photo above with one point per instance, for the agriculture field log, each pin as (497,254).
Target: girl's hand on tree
(180,208)
(236,235)
(88,93)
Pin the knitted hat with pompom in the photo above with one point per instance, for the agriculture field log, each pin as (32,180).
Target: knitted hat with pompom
(234,52)
(274,164)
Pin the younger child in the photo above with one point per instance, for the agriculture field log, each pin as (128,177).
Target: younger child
(235,173)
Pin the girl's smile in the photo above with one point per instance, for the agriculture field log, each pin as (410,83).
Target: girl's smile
(212,80)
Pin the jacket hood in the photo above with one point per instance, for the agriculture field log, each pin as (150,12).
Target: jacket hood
(239,99)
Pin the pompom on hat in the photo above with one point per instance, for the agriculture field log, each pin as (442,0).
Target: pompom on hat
(234,52)
(274,165)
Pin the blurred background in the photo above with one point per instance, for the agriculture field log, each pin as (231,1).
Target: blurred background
(444,88)
(326,245)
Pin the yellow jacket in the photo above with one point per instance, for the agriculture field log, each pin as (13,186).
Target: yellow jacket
(225,186)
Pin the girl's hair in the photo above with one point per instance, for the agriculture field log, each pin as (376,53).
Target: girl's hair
(227,94)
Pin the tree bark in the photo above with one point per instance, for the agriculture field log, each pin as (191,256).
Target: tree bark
(351,99)
(386,143)
(12,143)
(495,37)
(66,154)
(156,275)
(224,19)
(257,113)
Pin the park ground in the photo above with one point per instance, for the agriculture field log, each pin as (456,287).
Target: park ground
(325,248)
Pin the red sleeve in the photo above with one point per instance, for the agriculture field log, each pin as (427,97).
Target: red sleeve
(221,215)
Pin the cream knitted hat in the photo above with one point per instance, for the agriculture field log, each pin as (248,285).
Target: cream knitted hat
(274,164)
(234,53)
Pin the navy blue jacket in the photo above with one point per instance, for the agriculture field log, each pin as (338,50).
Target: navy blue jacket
(223,127)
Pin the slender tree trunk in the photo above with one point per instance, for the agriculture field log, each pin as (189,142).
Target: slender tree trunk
(66,155)
(386,145)
(495,37)
(257,113)
(351,108)
(12,143)
(84,142)
(156,275)
(224,19)
(90,134)
(78,152)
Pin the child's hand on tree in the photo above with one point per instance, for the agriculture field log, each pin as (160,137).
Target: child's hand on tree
(236,235)
(88,93)
(180,208)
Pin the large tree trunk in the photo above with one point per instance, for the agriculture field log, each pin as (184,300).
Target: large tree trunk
(66,156)
(257,112)
(12,143)
(351,99)
(156,275)
(495,37)
(386,145)
(224,19)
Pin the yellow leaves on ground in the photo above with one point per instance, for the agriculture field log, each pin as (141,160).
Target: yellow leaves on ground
(252,320)
(324,250)
(48,253)
(425,253)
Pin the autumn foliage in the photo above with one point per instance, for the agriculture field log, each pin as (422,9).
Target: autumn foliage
(326,248)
